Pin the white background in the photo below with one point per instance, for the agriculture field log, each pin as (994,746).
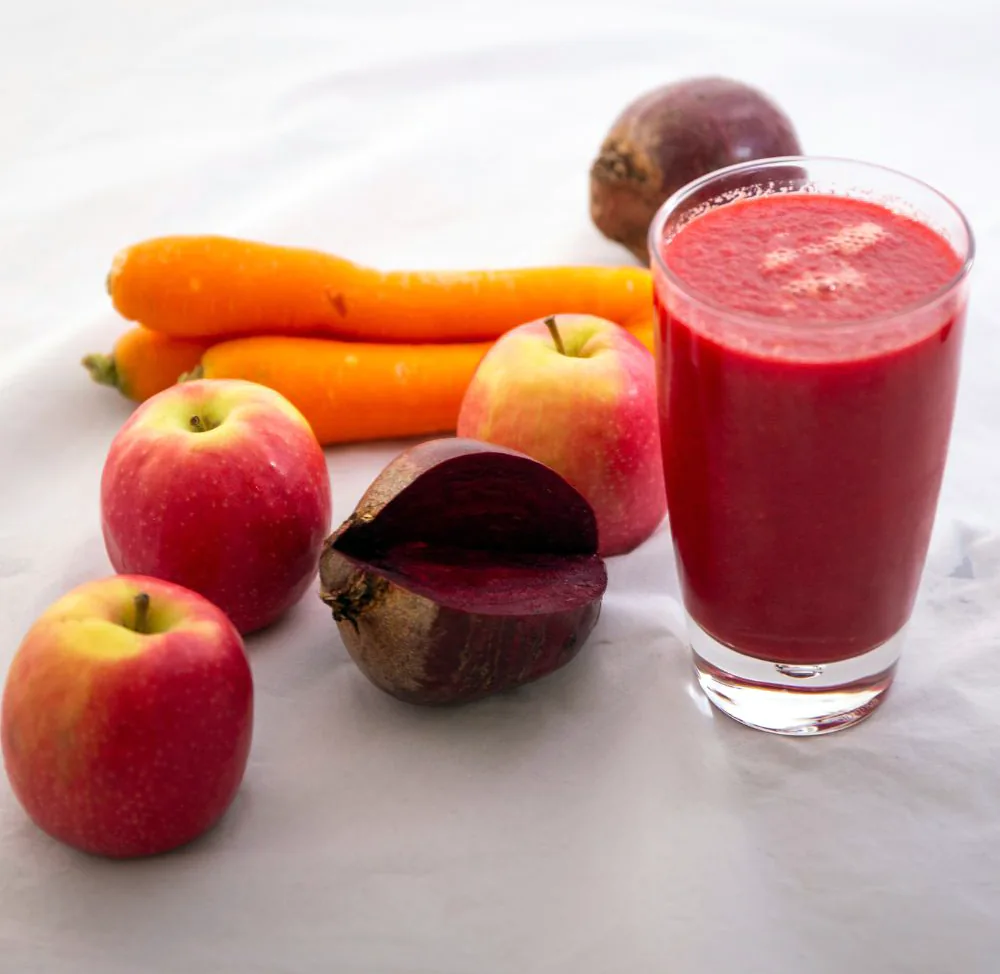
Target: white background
(603,820)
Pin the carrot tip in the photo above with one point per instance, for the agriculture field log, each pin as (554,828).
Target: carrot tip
(198,372)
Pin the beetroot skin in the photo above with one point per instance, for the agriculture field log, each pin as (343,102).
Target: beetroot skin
(465,570)
(675,134)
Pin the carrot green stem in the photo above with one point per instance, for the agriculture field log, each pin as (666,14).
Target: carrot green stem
(103,370)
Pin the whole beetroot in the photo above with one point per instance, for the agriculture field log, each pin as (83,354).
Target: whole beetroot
(672,135)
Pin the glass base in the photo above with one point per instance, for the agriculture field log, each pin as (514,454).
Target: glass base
(795,699)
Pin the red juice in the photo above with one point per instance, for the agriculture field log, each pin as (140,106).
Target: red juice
(810,358)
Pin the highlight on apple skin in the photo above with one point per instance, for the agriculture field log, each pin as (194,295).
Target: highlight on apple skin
(127,717)
(578,393)
(220,486)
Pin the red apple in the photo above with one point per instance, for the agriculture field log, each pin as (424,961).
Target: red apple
(578,393)
(220,486)
(127,717)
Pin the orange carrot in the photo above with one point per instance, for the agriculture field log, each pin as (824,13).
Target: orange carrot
(354,391)
(144,362)
(642,328)
(224,287)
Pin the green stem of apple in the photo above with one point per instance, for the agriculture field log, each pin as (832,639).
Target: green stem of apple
(550,323)
(198,424)
(141,602)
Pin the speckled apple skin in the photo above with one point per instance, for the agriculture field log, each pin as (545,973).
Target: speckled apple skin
(121,744)
(589,414)
(237,513)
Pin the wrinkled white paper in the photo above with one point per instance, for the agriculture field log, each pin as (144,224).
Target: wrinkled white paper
(603,820)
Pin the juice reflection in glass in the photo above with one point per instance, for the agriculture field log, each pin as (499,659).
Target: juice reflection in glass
(810,318)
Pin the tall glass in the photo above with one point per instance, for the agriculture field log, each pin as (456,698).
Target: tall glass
(803,458)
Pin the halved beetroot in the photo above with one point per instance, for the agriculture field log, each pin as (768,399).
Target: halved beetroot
(466,569)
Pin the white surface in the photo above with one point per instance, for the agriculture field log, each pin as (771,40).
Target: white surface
(602,820)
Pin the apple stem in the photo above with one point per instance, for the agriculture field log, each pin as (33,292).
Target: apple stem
(550,323)
(198,424)
(141,612)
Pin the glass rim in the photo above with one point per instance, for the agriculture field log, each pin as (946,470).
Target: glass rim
(786,325)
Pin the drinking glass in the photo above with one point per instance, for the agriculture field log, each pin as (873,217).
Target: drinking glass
(803,458)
